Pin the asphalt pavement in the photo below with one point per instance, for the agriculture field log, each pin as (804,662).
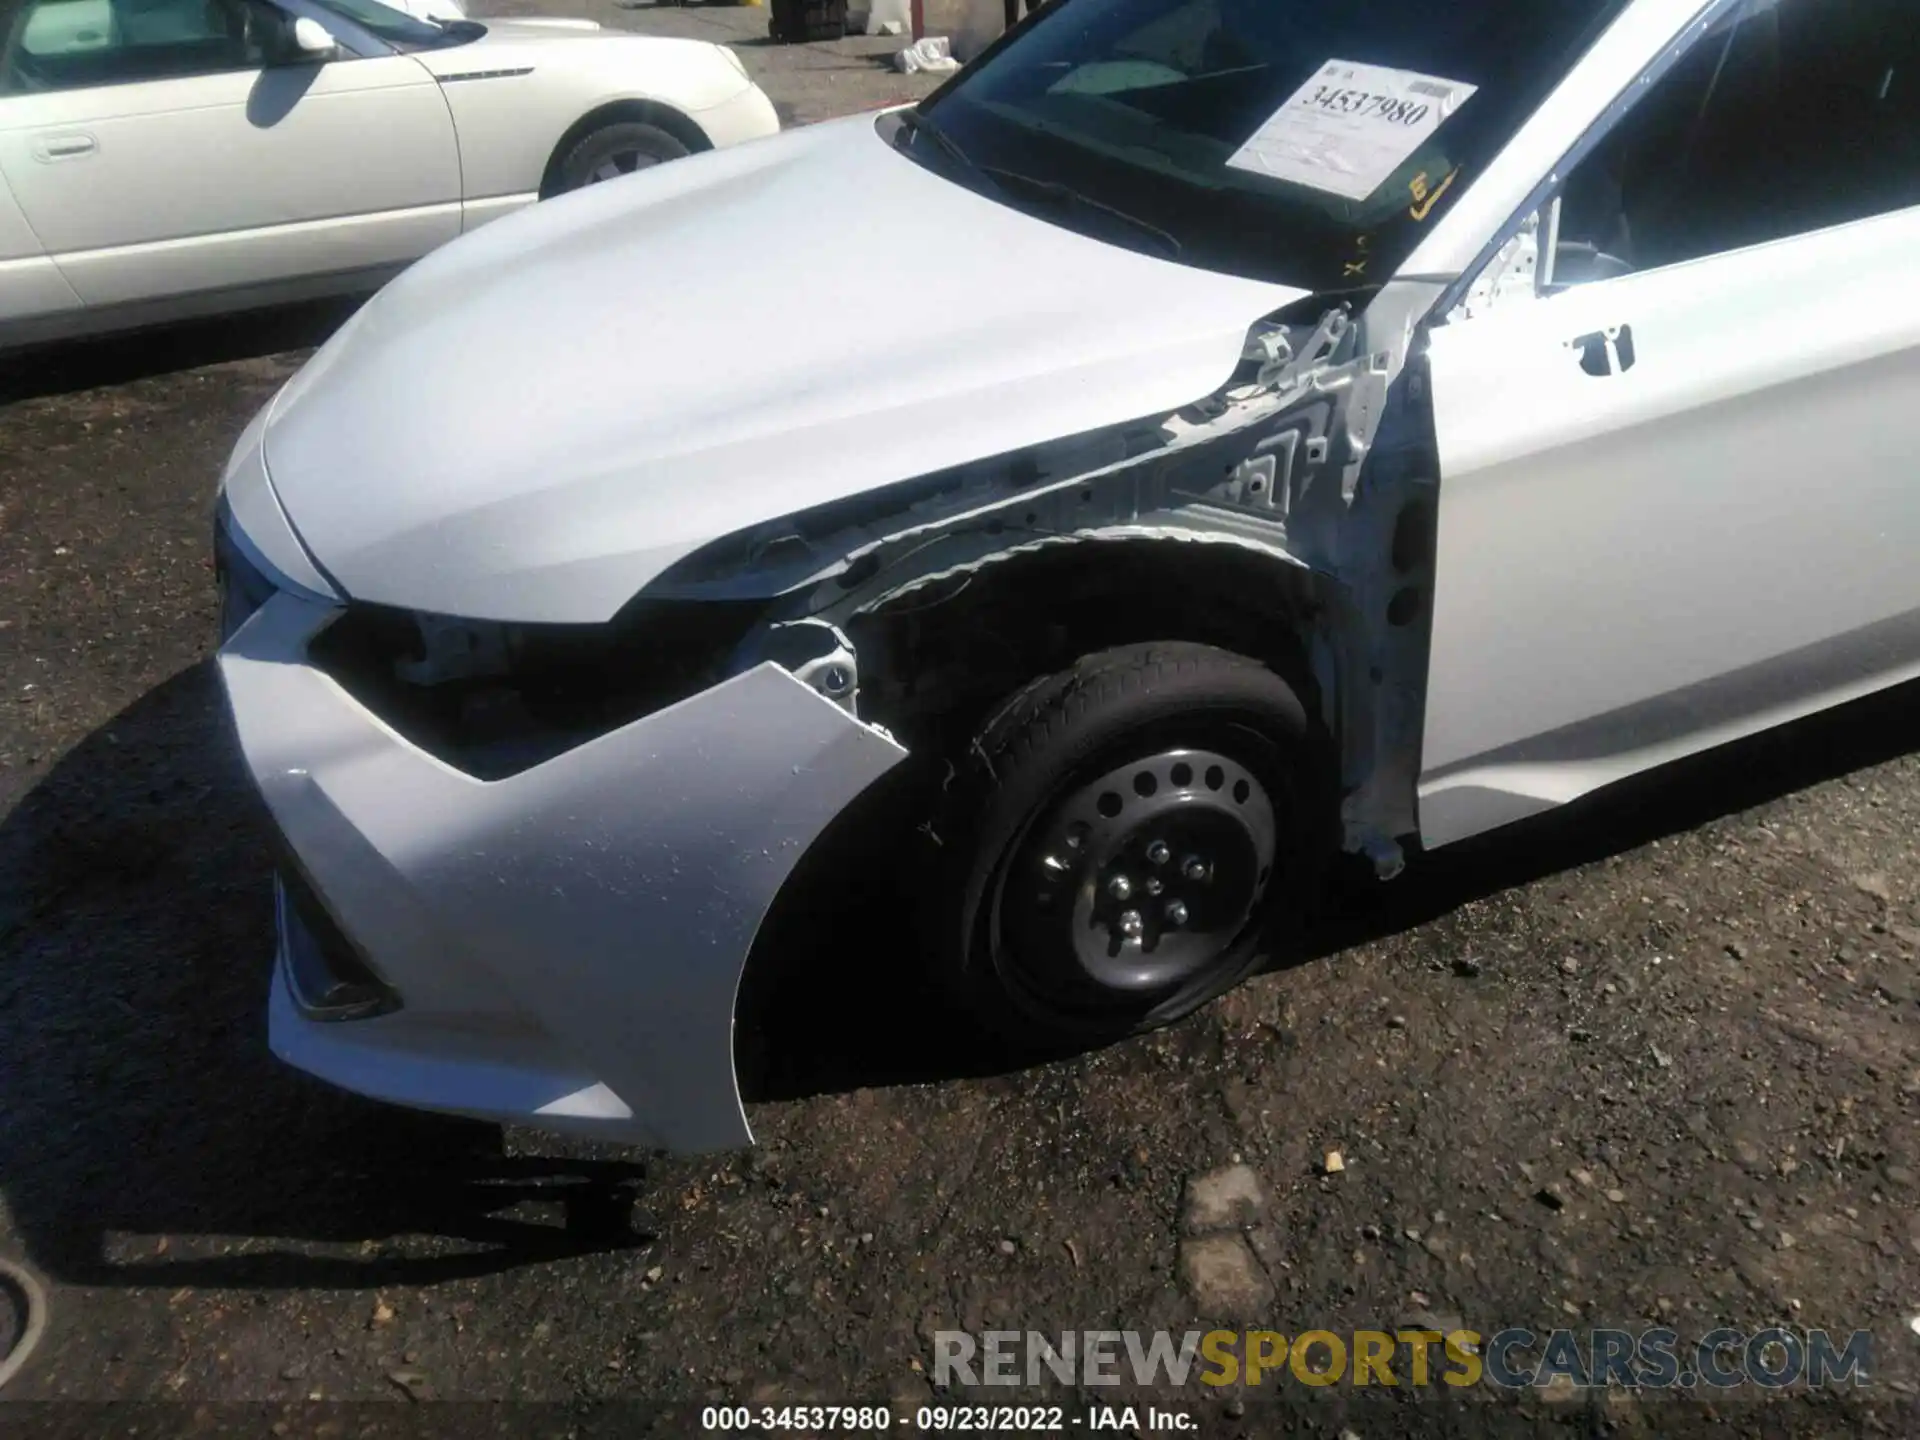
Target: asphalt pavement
(1654,1062)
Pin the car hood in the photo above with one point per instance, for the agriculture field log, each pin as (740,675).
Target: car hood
(527,41)
(538,27)
(532,41)
(536,420)
(509,32)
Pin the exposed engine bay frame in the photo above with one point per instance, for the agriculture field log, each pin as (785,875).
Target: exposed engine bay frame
(1309,459)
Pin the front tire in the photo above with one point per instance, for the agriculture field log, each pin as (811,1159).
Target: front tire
(610,151)
(1127,840)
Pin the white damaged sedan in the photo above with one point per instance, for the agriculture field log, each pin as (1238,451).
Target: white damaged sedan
(165,158)
(1331,427)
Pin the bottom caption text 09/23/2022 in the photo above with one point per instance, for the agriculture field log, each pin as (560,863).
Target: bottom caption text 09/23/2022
(1722,1363)
(979,1419)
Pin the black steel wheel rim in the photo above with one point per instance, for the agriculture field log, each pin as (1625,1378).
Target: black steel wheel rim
(1133,884)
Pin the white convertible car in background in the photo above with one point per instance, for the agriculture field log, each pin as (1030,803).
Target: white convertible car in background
(1340,427)
(160,158)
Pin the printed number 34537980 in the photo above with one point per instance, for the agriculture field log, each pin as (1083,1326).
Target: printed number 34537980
(1390,108)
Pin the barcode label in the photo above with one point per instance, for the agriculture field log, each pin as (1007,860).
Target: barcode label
(1429,89)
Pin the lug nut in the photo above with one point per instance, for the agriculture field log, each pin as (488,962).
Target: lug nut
(1158,852)
(1120,888)
(1053,864)
(1176,912)
(1155,885)
(1194,868)
(1131,924)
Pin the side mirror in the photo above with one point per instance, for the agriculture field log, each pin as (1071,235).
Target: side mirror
(1565,263)
(311,40)
(1579,262)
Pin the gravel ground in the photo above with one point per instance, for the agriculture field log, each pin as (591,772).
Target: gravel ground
(1651,1062)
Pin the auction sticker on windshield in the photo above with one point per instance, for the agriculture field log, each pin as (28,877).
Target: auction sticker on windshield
(1350,127)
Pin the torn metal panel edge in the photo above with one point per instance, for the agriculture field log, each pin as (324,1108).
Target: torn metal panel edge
(1315,456)
(540,882)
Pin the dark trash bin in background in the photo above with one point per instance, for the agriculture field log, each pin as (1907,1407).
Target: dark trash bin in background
(793,21)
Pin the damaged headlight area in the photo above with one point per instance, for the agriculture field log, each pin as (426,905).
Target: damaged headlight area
(493,699)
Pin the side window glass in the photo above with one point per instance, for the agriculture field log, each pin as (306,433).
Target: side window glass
(67,27)
(1790,116)
(73,44)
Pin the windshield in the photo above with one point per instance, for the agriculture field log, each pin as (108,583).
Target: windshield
(1306,142)
(398,28)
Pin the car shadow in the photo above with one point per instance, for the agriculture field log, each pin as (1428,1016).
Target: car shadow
(833,1001)
(141,1113)
(62,367)
(277,90)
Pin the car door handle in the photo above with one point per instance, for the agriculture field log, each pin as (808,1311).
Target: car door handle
(64,147)
(1605,352)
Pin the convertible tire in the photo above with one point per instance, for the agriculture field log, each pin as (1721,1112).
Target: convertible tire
(609,151)
(1128,839)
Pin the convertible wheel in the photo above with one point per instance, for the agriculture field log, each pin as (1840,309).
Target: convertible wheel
(614,150)
(1134,834)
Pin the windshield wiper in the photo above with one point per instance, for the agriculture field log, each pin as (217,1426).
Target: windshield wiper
(1062,196)
(916,124)
(1067,198)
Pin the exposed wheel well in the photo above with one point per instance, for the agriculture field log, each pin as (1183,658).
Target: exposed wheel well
(934,660)
(650,112)
(934,663)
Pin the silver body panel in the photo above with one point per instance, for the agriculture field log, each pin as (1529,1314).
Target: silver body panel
(1636,566)
(1716,538)
(570,939)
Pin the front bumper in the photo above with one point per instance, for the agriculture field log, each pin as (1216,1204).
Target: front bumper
(746,115)
(565,944)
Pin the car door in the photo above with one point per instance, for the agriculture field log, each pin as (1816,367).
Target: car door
(1680,488)
(165,147)
(31,287)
